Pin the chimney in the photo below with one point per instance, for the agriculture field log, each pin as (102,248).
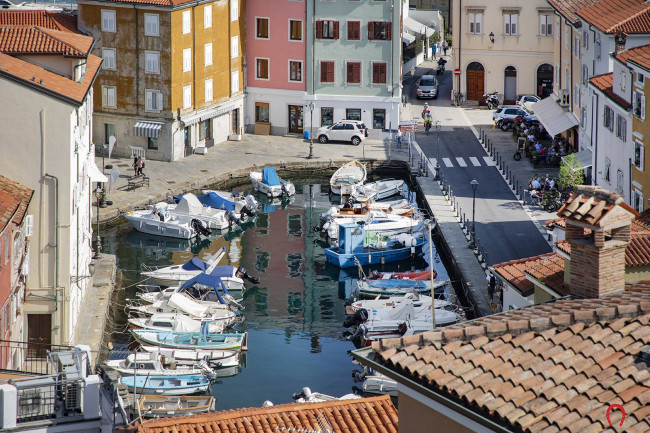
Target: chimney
(619,42)
(598,229)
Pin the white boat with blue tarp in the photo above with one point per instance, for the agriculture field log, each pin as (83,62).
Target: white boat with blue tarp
(268,182)
(166,385)
(191,340)
(234,202)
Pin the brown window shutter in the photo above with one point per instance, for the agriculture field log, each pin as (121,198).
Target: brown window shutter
(371,30)
(330,72)
(357,30)
(382,68)
(323,72)
(349,75)
(319,29)
(336,29)
(357,72)
(352,30)
(375,72)
(389,28)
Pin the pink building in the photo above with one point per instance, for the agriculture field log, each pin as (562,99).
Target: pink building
(276,31)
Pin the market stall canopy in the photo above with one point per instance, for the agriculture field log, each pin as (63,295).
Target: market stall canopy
(553,117)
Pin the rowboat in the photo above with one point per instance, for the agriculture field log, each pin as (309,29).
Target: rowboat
(166,385)
(191,340)
(378,190)
(174,322)
(158,406)
(217,358)
(145,363)
(348,178)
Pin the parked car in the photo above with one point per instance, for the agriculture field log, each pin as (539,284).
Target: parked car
(508,112)
(353,131)
(427,87)
(527,101)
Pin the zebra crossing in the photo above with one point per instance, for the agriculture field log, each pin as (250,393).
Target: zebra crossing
(460,161)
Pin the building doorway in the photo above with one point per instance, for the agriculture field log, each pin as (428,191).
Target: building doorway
(295,119)
(39,335)
(544,80)
(379,118)
(475,81)
(509,85)
(235,121)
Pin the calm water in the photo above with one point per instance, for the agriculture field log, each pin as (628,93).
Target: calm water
(293,316)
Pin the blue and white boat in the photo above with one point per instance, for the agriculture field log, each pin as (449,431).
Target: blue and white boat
(191,340)
(267,182)
(353,245)
(398,287)
(231,201)
(166,385)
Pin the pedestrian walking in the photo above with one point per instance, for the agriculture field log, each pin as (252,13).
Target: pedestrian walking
(135,165)
(140,166)
(444,47)
(434,48)
(398,137)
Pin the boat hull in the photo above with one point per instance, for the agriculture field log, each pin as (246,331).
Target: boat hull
(217,358)
(233,284)
(371,258)
(162,385)
(152,406)
(191,341)
(170,230)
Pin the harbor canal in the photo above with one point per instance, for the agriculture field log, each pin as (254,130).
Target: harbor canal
(293,316)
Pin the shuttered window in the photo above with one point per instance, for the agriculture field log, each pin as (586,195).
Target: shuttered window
(108,21)
(379,30)
(262,69)
(262,28)
(379,73)
(327,29)
(354,30)
(353,72)
(326,72)
(295,30)
(153,100)
(151,24)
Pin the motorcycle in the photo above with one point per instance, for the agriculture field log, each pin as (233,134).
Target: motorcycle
(427,126)
(441,66)
(492,100)
(505,124)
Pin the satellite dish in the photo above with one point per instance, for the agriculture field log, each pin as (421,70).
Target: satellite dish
(111,144)
(112,178)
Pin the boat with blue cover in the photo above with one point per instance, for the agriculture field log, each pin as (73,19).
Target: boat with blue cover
(166,385)
(191,340)
(267,182)
(397,287)
(353,247)
(235,202)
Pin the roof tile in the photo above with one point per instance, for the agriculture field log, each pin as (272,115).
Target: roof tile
(14,201)
(625,16)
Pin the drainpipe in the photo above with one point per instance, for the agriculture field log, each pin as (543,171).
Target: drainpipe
(559,66)
(137,64)
(56,242)
(392,50)
(629,179)
(594,142)
(571,95)
(313,48)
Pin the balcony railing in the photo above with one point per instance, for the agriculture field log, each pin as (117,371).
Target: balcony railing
(27,357)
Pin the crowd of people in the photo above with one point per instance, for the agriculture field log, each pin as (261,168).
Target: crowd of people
(538,187)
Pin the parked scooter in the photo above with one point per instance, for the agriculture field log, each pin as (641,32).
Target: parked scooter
(492,100)
(441,66)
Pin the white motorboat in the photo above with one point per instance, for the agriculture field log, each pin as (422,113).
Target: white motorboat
(376,223)
(184,304)
(190,206)
(378,190)
(375,383)
(348,178)
(235,202)
(401,287)
(217,358)
(420,303)
(267,182)
(307,396)
(149,363)
(160,406)
(174,322)
(158,221)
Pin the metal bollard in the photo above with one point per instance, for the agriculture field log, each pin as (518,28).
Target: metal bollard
(510,178)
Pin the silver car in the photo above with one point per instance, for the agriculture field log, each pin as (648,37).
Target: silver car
(427,87)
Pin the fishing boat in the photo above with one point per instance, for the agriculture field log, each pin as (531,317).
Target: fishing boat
(189,205)
(398,287)
(348,178)
(352,245)
(377,222)
(217,358)
(419,302)
(267,182)
(182,303)
(159,406)
(174,322)
(191,340)
(166,385)
(158,221)
(378,190)
(241,205)
(145,363)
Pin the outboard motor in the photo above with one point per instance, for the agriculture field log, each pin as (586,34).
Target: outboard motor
(200,227)
(246,210)
(304,393)
(233,218)
(359,317)
(243,274)
(360,332)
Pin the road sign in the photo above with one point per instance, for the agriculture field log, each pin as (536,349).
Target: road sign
(411,127)
(456,71)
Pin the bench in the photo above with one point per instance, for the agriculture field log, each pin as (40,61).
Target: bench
(138,180)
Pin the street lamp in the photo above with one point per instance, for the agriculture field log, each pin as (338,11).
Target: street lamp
(472,243)
(311,129)
(98,243)
(437,177)
(431,273)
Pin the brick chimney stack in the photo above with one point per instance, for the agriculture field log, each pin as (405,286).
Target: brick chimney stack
(598,229)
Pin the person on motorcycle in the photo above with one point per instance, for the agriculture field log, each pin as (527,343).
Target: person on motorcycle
(427,123)
(425,111)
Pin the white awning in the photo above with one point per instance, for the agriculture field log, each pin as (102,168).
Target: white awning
(417,27)
(408,39)
(148,129)
(201,117)
(553,117)
(584,157)
(94,173)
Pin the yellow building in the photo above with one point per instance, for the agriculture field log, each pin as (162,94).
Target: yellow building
(172,78)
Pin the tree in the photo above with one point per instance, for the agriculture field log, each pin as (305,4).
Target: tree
(570,173)
(433,39)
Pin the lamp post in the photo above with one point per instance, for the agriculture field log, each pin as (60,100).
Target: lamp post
(311,129)
(433,298)
(98,243)
(437,177)
(472,243)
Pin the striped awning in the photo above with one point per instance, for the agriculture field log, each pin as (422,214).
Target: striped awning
(196,118)
(148,129)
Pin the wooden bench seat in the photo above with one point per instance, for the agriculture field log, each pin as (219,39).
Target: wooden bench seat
(139,180)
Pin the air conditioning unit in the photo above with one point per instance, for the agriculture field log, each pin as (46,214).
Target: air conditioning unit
(563,98)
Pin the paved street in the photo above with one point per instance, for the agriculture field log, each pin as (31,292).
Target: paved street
(502,225)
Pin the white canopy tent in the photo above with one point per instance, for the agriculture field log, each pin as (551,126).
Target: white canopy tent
(553,117)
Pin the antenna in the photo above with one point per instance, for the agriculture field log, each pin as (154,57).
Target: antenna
(322,426)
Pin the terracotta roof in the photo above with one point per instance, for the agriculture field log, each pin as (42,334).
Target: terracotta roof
(639,56)
(40,18)
(604,83)
(20,193)
(612,16)
(42,79)
(637,252)
(552,367)
(593,205)
(564,246)
(543,266)
(148,2)
(549,271)
(375,414)
(643,220)
(568,8)
(642,223)
(8,208)
(37,40)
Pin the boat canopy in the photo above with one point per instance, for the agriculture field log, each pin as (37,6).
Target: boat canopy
(397,284)
(189,204)
(223,271)
(214,200)
(185,304)
(270,177)
(209,280)
(195,264)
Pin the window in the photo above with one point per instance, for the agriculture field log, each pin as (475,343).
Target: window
(7,244)
(379,30)
(621,127)
(354,30)
(639,105)
(261,112)
(510,24)
(153,100)
(234,10)
(608,166)
(295,70)
(207,17)
(187,60)
(585,40)
(585,74)
(205,130)
(378,118)
(262,69)
(108,54)
(234,47)
(326,116)
(353,114)
(152,62)
(187,97)
(597,49)
(208,90)
(108,21)
(639,79)
(622,80)
(557,26)
(566,37)
(608,118)
(637,200)
(353,72)
(583,118)
(638,155)
(152,143)
(295,30)
(326,72)
(109,131)
(619,182)
(187,22)
(576,46)
(151,24)
(327,29)
(475,20)
(234,82)
(546,25)
(261,28)
(109,96)
(379,73)
(557,75)
(207,53)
